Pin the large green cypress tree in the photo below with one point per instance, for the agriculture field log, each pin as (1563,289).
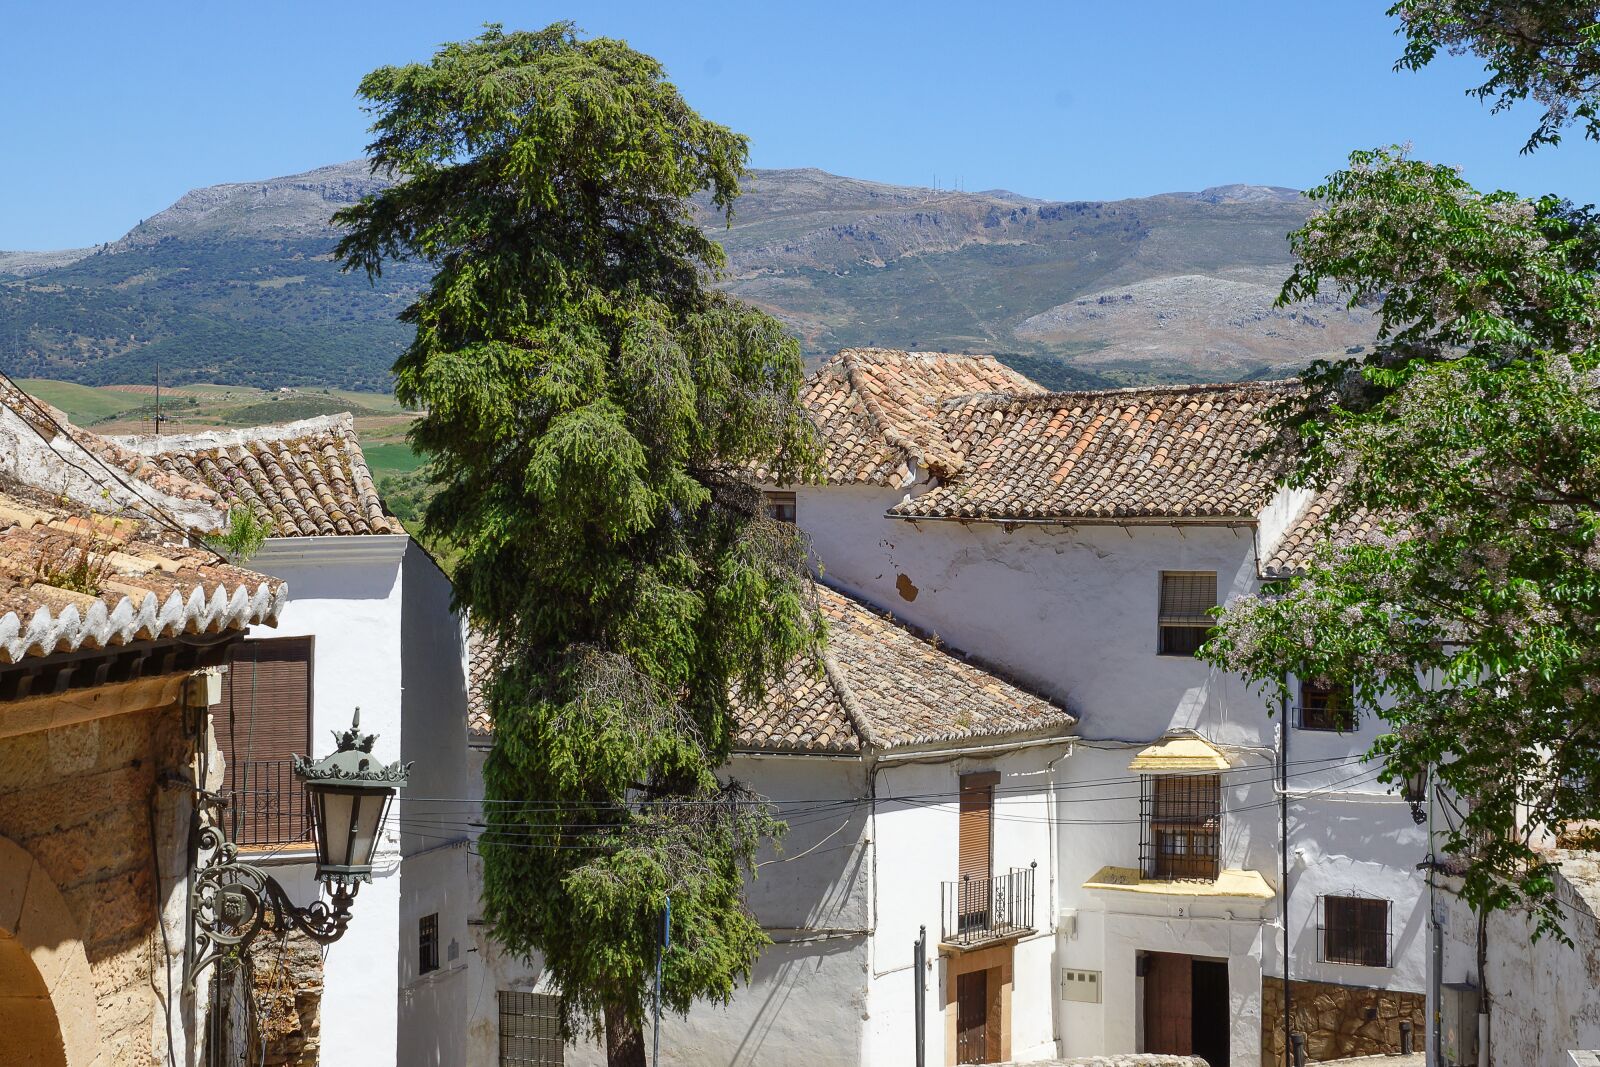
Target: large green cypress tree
(589,403)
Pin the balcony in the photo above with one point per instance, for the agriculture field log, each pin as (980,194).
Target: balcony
(980,911)
(266,804)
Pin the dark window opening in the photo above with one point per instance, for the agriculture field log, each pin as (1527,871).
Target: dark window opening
(780,506)
(1182,823)
(1326,707)
(1355,930)
(428,943)
(1187,598)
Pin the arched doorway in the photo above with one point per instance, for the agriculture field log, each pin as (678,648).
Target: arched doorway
(47,1001)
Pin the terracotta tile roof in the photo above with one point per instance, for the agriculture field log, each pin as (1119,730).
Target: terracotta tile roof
(1314,526)
(904,688)
(480,669)
(306,478)
(879,684)
(1166,453)
(876,408)
(148,588)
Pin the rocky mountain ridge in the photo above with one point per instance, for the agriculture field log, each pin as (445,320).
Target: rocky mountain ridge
(236,282)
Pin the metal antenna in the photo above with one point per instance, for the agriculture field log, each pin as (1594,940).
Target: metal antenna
(160,418)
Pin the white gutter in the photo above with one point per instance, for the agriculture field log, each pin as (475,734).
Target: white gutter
(945,753)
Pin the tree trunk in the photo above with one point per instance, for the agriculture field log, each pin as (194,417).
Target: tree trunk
(624,1042)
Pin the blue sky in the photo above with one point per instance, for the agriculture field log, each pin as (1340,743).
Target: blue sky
(110,111)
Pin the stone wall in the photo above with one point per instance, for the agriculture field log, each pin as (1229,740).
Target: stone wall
(1339,1021)
(83,800)
(288,1002)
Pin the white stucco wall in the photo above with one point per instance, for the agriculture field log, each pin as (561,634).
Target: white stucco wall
(385,640)
(916,830)
(434,814)
(810,895)
(1072,613)
(1544,995)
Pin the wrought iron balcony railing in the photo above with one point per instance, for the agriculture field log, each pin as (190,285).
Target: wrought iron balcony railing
(976,911)
(266,804)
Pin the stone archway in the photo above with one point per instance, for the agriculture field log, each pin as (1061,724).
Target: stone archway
(47,1001)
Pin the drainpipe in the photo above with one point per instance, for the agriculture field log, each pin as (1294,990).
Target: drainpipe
(1283,829)
(1434,1046)
(1484,1059)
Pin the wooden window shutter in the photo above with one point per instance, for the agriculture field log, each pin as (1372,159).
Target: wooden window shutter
(976,830)
(264,720)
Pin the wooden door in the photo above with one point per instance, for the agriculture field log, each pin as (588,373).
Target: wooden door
(1168,1004)
(972,1017)
(975,850)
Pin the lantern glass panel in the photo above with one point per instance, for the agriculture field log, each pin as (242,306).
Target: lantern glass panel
(364,835)
(336,810)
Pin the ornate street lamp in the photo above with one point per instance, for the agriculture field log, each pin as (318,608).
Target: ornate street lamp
(1416,794)
(348,793)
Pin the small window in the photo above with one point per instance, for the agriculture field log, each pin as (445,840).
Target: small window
(428,943)
(530,1030)
(1187,598)
(780,506)
(1355,930)
(1182,824)
(1326,707)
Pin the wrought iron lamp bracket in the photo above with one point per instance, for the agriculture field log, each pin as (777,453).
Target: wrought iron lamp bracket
(231,902)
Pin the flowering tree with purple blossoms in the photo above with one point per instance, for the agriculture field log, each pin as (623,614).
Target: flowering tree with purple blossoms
(1547,51)
(1467,444)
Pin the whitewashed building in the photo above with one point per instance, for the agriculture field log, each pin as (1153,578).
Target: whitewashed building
(1071,544)
(368,624)
(916,786)
(1076,540)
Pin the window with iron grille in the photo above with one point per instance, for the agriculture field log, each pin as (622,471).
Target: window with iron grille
(1182,826)
(780,506)
(1355,930)
(530,1030)
(1326,707)
(428,943)
(1187,598)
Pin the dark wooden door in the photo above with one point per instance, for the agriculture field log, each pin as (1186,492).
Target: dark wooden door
(972,1017)
(1168,1004)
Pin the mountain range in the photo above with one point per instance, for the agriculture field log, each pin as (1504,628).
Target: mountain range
(236,283)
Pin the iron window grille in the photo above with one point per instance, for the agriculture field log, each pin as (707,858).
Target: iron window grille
(428,943)
(1181,822)
(1354,930)
(1325,707)
(780,506)
(1187,598)
(530,1030)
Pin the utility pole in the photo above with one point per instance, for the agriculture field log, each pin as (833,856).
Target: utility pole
(919,964)
(160,418)
(661,950)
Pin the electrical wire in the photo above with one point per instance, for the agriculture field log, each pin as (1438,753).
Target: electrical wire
(556,837)
(541,804)
(161,515)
